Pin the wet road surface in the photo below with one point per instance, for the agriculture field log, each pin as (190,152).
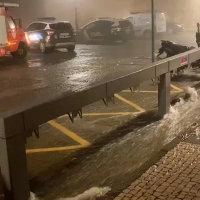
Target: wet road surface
(108,144)
(44,77)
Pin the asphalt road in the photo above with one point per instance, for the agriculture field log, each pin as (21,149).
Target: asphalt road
(109,143)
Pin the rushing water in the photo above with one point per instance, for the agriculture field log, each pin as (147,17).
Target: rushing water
(90,194)
(127,153)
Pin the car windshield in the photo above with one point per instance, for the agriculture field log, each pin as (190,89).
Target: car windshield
(60,26)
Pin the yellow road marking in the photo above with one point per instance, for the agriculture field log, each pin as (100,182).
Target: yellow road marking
(43,150)
(153,91)
(130,103)
(106,114)
(69,133)
(111,114)
(176,88)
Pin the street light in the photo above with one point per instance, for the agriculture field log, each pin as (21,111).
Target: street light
(76,15)
(153,30)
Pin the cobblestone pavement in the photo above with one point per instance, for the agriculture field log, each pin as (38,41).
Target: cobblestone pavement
(175,177)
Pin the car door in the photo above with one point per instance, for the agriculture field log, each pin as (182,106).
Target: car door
(12,34)
(89,31)
(104,29)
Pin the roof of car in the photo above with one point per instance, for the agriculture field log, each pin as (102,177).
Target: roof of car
(105,19)
(50,22)
(9,5)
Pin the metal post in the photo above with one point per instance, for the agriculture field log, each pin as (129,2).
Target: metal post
(164,94)
(153,30)
(76,15)
(13,165)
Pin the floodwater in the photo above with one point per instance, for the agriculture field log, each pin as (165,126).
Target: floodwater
(133,144)
(123,151)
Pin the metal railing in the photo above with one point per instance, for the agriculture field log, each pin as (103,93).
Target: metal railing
(17,125)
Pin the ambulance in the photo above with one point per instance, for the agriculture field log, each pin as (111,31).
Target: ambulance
(12,37)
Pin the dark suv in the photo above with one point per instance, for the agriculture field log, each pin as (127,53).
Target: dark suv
(48,34)
(106,30)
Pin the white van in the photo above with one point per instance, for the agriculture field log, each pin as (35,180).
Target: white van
(142,23)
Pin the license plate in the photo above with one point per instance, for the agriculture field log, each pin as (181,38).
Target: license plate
(64,35)
(127,31)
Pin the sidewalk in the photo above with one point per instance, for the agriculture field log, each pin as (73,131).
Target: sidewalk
(175,177)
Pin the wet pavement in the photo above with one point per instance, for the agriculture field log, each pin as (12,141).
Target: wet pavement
(109,143)
(44,77)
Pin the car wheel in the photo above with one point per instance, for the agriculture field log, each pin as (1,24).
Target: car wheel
(21,51)
(147,34)
(71,48)
(43,47)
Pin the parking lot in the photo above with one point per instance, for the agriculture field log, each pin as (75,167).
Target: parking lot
(106,145)
(68,155)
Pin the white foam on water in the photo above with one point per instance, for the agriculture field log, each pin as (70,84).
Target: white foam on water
(197,133)
(180,116)
(33,196)
(91,194)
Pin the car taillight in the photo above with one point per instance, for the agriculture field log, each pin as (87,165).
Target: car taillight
(50,32)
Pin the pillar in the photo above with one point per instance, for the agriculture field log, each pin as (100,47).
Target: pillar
(164,94)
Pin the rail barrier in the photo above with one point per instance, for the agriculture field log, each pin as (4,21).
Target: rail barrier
(16,126)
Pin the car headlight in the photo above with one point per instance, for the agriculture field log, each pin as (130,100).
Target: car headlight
(34,37)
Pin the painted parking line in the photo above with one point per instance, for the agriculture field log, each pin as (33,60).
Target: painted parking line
(54,149)
(69,133)
(176,88)
(112,114)
(81,142)
(148,91)
(130,103)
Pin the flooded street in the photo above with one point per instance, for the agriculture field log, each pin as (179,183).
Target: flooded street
(99,100)
(112,161)
(110,144)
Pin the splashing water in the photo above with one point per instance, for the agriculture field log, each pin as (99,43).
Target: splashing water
(134,148)
(197,133)
(193,94)
(90,194)
(33,196)
(151,137)
(181,115)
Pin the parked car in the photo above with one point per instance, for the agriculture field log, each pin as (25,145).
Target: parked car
(105,30)
(174,27)
(47,34)
(142,23)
